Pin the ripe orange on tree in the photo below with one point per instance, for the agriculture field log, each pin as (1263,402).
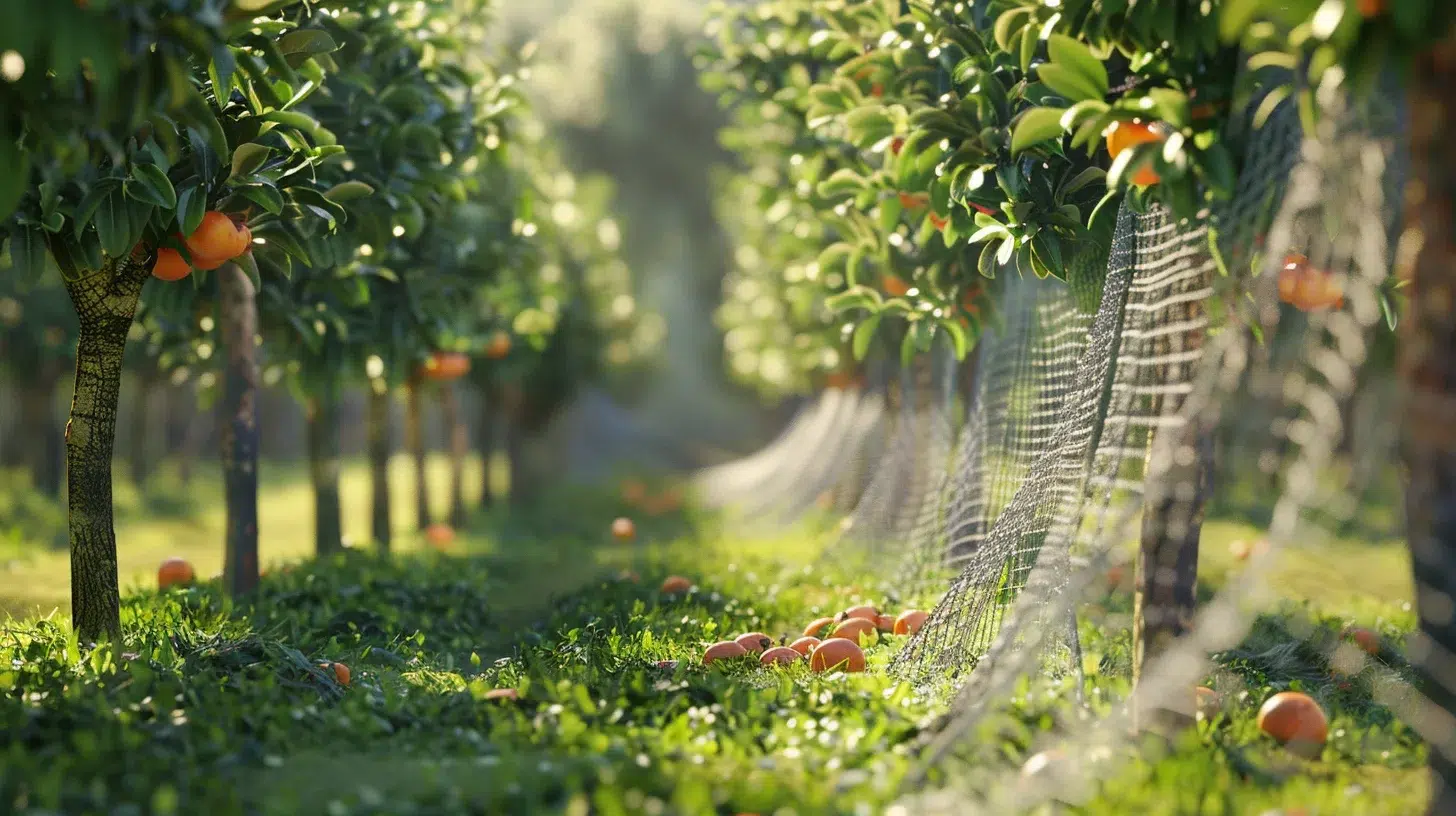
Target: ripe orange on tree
(446,365)
(170,265)
(837,654)
(217,240)
(895,286)
(1122,135)
(174,571)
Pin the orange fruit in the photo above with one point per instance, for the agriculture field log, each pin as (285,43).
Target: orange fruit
(782,655)
(675,584)
(216,240)
(341,672)
(914,201)
(804,645)
(1295,720)
(885,623)
(170,266)
(1370,8)
(1364,638)
(624,530)
(837,654)
(439,535)
(723,650)
(865,611)
(754,642)
(502,694)
(1240,549)
(499,346)
(877,89)
(910,621)
(446,365)
(855,629)
(1122,135)
(818,626)
(174,571)
(896,286)
(937,221)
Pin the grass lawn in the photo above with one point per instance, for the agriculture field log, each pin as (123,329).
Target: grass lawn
(224,709)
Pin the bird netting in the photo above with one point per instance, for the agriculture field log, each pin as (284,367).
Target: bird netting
(1260,394)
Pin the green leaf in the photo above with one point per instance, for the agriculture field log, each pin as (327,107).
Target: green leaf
(191,207)
(264,196)
(16,178)
(1081,112)
(863,334)
(1077,58)
(1088,176)
(348,191)
(959,342)
(150,184)
(249,265)
(855,297)
(844,182)
(28,253)
(113,224)
(303,43)
(1066,83)
(986,263)
(1034,126)
(248,158)
(86,210)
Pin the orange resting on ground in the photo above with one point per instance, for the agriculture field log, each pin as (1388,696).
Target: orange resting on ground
(170,266)
(837,654)
(781,655)
(341,672)
(502,694)
(439,535)
(855,629)
(865,611)
(676,584)
(174,571)
(1295,720)
(1122,135)
(805,645)
(818,626)
(754,641)
(623,529)
(1364,638)
(723,650)
(910,621)
(885,623)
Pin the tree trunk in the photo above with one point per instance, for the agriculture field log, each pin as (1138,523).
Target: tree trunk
(323,464)
(485,444)
(459,447)
(1428,366)
(380,443)
(105,301)
(513,405)
(238,325)
(414,439)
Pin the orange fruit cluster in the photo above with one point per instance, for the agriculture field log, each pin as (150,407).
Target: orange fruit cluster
(1122,135)
(217,240)
(1306,288)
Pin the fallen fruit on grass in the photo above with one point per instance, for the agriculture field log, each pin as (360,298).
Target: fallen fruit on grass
(910,621)
(1364,638)
(837,654)
(174,571)
(1295,720)
(780,655)
(805,645)
(502,694)
(439,535)
(170,266)
(865,611)
(855,629)
(624,530)
(666,664)
(676,584)
(818,626)
(754,642)
(723,650)
(341,672)
(885,623)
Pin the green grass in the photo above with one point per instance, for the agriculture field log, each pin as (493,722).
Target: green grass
(221,709)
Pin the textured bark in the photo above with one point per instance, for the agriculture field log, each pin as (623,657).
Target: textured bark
(1428,366)
(459,448)
(105,301)
(323,464)
(414,439)
(238,413)
(380,444)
